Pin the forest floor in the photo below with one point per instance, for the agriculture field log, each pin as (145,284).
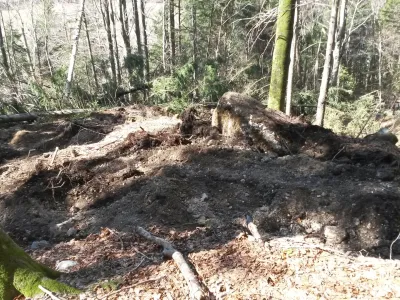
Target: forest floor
(327,224)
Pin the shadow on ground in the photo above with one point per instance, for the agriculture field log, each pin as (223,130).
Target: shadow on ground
(196,196)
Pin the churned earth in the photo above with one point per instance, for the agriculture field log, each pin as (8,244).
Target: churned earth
(328,209)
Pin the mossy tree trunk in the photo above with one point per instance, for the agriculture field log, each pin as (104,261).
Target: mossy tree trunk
(280,58)
(20,274)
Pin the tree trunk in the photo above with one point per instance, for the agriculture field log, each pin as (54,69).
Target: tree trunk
(210,30)
(281,55)
(379,64)
(328,56)
(4,43)
(46,38)
(145,44)
(90,52)
(4,60)
(194,43)
(289,89)
(316,65)
(28,51)
(107,25)
(179,29)
(172,31)
(123,18)
(138,36)
(19,273)
(74,50)
(36,49)
(164,37)
(114,37)
(221,24)
(338,42)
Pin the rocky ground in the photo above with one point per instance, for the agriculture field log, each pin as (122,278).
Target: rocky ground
(327,207)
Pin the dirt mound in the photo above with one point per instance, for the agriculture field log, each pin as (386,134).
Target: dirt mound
(193,185)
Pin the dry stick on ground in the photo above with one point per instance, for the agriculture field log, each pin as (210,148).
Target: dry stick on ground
(391,246)
(54,156)
(344,147)
(253,228)
(195,289)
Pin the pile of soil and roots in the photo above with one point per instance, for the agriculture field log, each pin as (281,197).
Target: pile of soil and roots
(317,198)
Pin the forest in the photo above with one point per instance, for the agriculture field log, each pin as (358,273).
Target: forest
(182,149)
(89,54)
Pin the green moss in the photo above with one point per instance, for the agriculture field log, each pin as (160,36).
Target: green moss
(7,290)
(20,273)
(27,282)
(281,54)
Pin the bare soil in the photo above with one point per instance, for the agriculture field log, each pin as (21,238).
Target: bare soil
(328,209)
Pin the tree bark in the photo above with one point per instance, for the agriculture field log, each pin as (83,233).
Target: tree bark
(194,39)
(36,49)
(338,42)
(380,52)
(4,42)
(4,56)
(123,18)
(107,24)
(114,37)
(210,31)
(172,31)
(19,273)
(28,51)
(74,50)
(289,89)
(328,56)
(316,65)
(145,44)
(164,37)
(281,55)
(179,28)
(138,36)
(96,82)
(46,38)
(125,32)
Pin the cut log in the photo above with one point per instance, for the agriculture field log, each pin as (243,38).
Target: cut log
(195,289)
(30,117)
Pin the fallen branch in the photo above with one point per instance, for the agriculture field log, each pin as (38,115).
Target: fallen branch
(344,147)
(54,156)
(195,289)
(30,117)
(253,229)
(142,87)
